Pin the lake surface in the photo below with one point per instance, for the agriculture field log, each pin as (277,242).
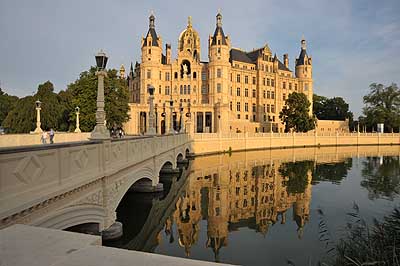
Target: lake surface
(263,207)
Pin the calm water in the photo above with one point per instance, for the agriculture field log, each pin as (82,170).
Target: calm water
(264,207)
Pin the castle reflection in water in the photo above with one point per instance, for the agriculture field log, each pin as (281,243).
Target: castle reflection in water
(221,194)
(237,195)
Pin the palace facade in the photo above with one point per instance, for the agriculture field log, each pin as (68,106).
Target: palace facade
(235,91)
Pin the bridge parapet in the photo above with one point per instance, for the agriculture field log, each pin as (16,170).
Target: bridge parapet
(35,177)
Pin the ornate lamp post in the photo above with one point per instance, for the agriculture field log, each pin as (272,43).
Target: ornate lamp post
(152,129)
(38,129)
(171,111)
(100,131)
(189,116)
(182,129)
(77,129)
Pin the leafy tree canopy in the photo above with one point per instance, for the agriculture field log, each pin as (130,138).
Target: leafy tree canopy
(297,174)
(295,114)
(334,108)
(382,105)
(7,103)
(84,94)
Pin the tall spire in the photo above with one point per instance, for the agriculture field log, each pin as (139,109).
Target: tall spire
(189,21)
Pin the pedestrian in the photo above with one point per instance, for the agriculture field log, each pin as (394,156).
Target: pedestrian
(44,137)
(120,133)
(51,136)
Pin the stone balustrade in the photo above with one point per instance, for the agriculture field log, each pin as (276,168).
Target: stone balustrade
(11,140)
(208,143)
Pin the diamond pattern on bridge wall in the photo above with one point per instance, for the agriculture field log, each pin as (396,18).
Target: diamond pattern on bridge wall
(82,159)
(29,169)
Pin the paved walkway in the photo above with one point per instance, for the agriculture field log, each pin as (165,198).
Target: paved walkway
(22,245)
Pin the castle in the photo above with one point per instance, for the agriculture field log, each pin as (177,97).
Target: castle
(235,91)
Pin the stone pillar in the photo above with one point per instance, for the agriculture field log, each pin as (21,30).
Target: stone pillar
(151,129)
(171,120)
(38,123)
(100,131)
(204,121)
(77,129)
(114,232)
(182,115)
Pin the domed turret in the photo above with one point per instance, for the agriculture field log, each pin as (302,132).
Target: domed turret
(189,41)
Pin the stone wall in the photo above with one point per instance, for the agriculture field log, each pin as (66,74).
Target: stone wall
(11,140)
(214,143)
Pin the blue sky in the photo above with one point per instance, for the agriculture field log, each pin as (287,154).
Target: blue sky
(353,43)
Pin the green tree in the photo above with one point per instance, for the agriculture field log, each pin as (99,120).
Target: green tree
(22,118)
(295,114)
(331,172)
(334,108)
(382,105)
(84,94)
(7,103)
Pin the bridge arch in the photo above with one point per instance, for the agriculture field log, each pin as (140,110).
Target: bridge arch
(74,215)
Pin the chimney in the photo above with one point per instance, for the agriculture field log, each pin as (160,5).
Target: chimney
(286,60)
(168,53)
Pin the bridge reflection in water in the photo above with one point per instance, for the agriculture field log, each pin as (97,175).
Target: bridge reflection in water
(218,195)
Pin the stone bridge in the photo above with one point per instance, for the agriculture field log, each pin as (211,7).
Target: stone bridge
(64,185)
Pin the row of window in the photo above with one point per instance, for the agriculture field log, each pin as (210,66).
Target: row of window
(268,108)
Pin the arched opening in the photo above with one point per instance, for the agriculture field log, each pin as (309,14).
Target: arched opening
(163,126)
(167,175)
(85,228)
(133,210)
(187,153)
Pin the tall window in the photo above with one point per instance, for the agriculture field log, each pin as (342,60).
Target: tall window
(268,95)
(268,82)
(254,93)
(203,76)
(238,78)
(148,73)
(290,86)
(254,108)
(246,107)
(181,90)
(284,85)
(218,87)
(167,77)
(284,96)
(219,73)
(246,79)
(230,106)
(176,75)
(238,92)
(272,82)
(188,89)
(264,94)
(264,108)
(194,75)
(272,108)
(272,95)
(268,108)
(246,92)
(264,81)
(238,106)
(295,87)
(254,80)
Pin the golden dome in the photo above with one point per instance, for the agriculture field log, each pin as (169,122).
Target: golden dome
(189,38)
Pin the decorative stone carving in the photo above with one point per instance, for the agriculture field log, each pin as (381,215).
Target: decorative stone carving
(82,159)
(29,169)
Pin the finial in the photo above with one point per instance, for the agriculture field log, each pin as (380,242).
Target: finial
(219,18)
(303,43)
(151,20)
(189,21)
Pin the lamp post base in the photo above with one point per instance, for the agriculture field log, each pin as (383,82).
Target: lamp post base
(38,130)
(77,130)
(100,132)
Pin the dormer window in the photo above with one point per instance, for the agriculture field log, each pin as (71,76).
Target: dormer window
(219,42)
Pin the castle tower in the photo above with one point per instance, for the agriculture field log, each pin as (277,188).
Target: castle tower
(219,46)
(304,72)
(151,60)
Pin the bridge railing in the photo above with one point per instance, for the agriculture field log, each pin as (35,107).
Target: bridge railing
(33,176)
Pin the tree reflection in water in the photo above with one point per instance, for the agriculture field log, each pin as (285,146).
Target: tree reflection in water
(381,177)
(332,172)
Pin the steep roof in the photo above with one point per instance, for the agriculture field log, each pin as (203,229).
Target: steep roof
(282,66)
(239,55)
(154,37)
(214,39)
(302,56)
